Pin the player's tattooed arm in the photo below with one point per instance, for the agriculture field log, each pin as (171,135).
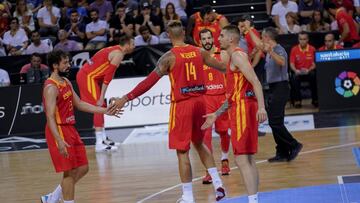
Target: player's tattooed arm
(222,108)
(164,64)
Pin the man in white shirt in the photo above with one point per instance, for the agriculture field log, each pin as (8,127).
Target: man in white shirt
(16,36)
(37,45)
(4,78)
(279,11)
(48,18)
(179,5)
(145,38)
(96,31)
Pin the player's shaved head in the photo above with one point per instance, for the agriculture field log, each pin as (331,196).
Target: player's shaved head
(233,32)
(175,29)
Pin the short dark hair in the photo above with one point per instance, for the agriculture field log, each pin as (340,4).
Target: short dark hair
(14,18)
(271,32)
(54,57)
(206,9)
(244,18)
(74,10)
(143,28)
(94,10)
(120,5)
(330,5)
(232,28)
(124,39)
(35,54)
(304,33)
(205,31)
(34,31)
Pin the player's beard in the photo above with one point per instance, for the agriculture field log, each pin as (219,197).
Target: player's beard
(207,46)
(65,73)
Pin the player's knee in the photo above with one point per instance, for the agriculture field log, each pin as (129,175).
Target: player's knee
(84,169)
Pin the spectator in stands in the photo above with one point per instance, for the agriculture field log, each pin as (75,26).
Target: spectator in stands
(179,6)
(347,26)
(347,4)
(4,78)
(65,44)
(76,28)
(25,16)
(292,24)
(164,38)
(280,9)
(6,7)
(155,7)
(148,19)
(302,64)
(131,7)
(2,48)
(37,45)
(83,3)
(48,18)
(105,9)
(317,23)
(74,5)
(357,7)
(4,20)
(330,43)
(121,23)
(307,9)
(169,14)
(35,71)
(96,32)
(145,38)
(205,18)
(16,37)
(34,5)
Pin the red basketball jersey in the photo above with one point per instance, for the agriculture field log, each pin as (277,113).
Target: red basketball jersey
(214,27)
(238,87)
(214,79)
(64,113)
(187,75)
(97,67)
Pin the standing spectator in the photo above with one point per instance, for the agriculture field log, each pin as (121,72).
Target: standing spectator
(347,26)
(276,66)
(34,5)
(205,18)
(105,9)
(170,14)
(65,44)
(307,9)
(121,23)
(292,25)
(76,28)
(280,9)
(16,37)
(25,16)
(96,32)
(302,64)
(329,43)
(35,71)
(4,78)
(145,38)
(48,18)
(347,4)
(37,45)
(317,23)
(148,19)
(179,5)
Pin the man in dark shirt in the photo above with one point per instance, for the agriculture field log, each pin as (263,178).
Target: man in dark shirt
(121,23)
(148,19)
(75,28)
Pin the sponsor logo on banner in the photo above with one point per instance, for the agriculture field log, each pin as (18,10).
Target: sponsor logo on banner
(347,84)
(32,109)
(293,123)
(2,111)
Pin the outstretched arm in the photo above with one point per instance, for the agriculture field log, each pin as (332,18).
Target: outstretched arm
(212,62)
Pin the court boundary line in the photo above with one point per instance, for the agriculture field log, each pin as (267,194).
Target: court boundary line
(16,109)
(257,162)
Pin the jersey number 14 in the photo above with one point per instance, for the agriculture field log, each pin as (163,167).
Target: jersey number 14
(190,71)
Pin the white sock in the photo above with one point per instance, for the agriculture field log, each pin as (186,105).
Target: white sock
(70,201)
(187,192)
(103,134)
(215,177)
(99,137)
(253,198)
(56,194)
(224,155)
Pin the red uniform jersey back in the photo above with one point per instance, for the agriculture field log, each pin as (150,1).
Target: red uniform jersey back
(64,113)
(98,67)
(238,87)
(214,27)
(187,76)
(214,79)
(343,17)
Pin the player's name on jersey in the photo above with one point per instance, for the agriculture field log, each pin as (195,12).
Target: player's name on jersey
(188,55)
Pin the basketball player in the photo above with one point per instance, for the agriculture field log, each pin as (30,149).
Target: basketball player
(214,98)
(246,104)
(184,64)
(66,148)
(93,80)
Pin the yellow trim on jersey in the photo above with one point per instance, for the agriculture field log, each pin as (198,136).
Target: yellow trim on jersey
(243,115)
(90,79)
(57,116)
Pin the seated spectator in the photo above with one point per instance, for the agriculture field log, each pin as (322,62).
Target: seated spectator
(34,5)
(280,9)
(48,18)
(82,12)
(303,66)
(347,26)
(145,38)
(164,38)
(347,4)
(179,5)
(65,44)
(35,71)
(155,7)
(317,23)
(96,32)
(6,7)
(24,15)
(307,9)
(148,19)
(330,43)
(105,9)
(170,14)
(131,7)
(16,37)
(37,45)
(292,25)
(76,28)
(121,23)
(4,20)
(4,78)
